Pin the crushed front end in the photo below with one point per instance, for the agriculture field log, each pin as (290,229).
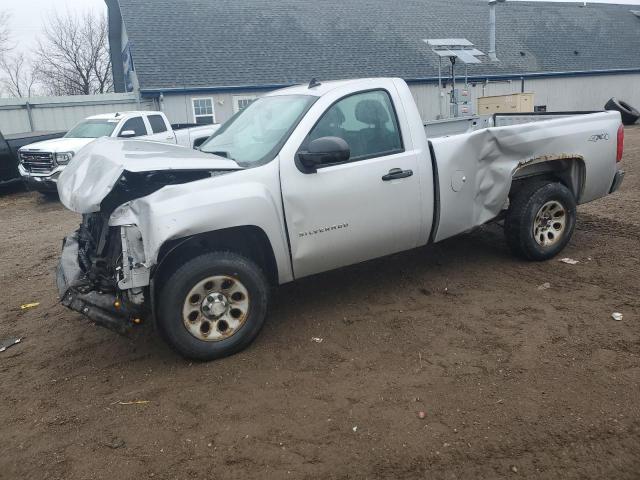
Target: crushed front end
(104,272)
(91,268)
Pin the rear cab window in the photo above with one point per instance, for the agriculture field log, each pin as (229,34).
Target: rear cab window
(136,124)
(157,123)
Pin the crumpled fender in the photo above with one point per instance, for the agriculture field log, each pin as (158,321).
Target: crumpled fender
(475,170)
(245,198)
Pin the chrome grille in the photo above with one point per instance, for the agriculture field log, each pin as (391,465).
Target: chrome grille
(37,162)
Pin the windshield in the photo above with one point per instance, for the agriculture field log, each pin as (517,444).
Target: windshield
(92,129)
(254,135)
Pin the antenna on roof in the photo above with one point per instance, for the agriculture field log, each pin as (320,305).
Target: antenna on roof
(314,83)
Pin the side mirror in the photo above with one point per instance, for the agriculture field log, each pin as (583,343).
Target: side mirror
(323,151)
(127,134)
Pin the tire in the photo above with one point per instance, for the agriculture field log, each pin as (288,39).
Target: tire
(50,195)
(201,317)
(629,114)
(530,229)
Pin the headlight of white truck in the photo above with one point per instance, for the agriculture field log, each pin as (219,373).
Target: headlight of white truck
(63,158)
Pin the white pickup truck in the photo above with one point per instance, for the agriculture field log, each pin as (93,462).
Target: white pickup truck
(304,180)
(41,163)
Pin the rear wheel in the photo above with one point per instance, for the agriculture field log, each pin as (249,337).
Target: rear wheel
(213,306)
(540,220)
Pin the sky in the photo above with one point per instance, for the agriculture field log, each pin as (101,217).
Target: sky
(27,15)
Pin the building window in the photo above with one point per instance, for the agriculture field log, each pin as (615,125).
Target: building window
(203,111)
(240,102)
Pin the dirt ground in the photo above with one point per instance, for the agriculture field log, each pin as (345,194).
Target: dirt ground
(515,381)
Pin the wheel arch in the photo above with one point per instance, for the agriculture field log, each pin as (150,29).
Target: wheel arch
(568,169)
(248,240)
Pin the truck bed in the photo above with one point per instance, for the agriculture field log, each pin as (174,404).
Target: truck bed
(456,126)
(477,168)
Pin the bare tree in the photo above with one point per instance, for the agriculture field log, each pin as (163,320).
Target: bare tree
(4,33)
(18,76)
(73,56)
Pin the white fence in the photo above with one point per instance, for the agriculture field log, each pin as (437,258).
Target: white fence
(18,115)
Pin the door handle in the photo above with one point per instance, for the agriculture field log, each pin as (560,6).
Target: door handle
(397,173)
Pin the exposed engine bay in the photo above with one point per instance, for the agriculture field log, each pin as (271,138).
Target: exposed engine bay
(99,245)
(99,251)
(132,185)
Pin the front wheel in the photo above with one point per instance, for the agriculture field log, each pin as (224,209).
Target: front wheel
(212,306)
(540,220)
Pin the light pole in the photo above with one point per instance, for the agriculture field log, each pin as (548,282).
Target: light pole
(492,29)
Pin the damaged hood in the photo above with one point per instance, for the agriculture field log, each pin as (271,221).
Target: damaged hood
(58,145)
(95,170)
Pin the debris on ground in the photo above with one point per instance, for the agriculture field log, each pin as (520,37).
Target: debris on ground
(8,343)
(317,339)
(134,402)
(544,286)
(514,469)
(617,316)
(114,443)
(569,261)
(28,306)
(422,415)
(355,429)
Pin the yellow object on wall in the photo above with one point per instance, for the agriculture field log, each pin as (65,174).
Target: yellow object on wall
(516,103)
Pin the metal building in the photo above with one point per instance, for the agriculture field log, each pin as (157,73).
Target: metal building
(203,61)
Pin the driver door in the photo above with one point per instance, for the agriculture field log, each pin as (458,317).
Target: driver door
(359,209)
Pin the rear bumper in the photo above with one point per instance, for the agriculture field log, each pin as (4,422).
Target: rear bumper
(617,181)
(77,294)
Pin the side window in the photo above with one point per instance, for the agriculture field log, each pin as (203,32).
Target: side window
(136,124)
(203,111)
(366,121)
(157,123)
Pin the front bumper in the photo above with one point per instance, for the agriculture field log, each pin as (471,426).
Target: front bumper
(77,293)
(40,182)
(617,181)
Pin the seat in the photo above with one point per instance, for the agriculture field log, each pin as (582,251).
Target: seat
(376,138)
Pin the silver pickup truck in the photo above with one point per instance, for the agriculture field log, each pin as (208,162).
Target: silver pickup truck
(304,180)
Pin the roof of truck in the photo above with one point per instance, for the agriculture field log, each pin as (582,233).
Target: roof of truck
(185,44)
(117,115)
(319,88)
